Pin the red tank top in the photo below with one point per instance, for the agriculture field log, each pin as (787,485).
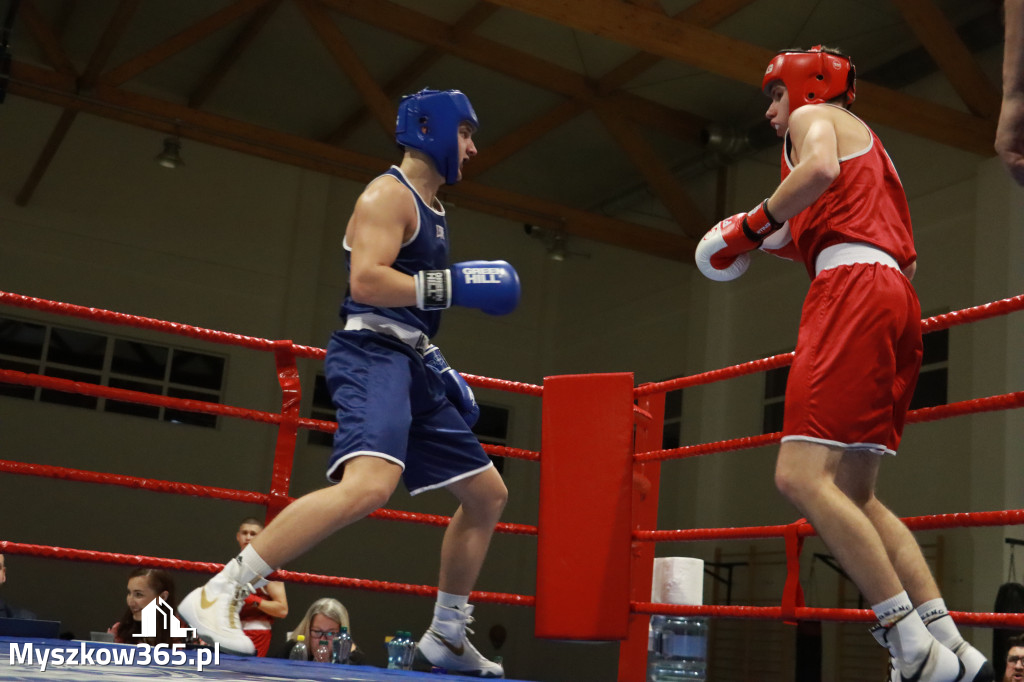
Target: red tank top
(866,203)
(250,614)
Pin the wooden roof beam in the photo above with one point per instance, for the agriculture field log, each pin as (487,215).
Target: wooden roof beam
(45,37)
(169,117)
(706,13)
(466,24)
(942,42)
(113,32)
(518,64)
(345,56)
(523,136)
(238,46)
(745,63)
(182,40)
(658,175)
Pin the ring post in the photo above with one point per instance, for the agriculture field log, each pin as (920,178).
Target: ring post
(287,430)
(586,487)
(646,484)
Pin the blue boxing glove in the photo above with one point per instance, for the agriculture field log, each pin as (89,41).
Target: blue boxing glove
(490,285)
(455,387)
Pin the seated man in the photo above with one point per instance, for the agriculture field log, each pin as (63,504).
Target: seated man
(6,610)
(265,603)
(1015,659)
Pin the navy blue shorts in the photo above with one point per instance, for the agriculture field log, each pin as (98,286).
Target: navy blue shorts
(391,405)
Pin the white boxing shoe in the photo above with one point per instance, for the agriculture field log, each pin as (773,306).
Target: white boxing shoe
(938,665)
(445,645)
(213,611)
(977,667)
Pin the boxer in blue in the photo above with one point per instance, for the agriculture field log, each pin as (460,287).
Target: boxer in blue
(403,413)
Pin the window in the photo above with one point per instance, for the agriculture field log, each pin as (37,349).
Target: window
(323,409)
(671,436)
(931,384)
(933,381)
(492,429)
(774,399)
(79,355)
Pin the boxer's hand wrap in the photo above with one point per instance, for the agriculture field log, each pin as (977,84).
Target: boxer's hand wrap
(455,387)
(254,600)
(491,286)
(722,255)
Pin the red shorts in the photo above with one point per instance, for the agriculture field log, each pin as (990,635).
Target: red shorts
(858,355)
(260,639)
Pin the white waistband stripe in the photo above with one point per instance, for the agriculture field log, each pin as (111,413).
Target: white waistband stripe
(411,337)
(850,253)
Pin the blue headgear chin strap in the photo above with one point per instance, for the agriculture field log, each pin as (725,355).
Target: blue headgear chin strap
(429,121)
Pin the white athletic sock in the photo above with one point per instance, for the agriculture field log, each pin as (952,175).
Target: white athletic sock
(452,601)
(893,609)
(936,617)
(248,567)
(450,615)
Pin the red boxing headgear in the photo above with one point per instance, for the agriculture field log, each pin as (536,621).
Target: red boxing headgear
(812,76)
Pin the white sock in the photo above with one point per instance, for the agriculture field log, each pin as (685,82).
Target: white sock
(936,617)
(451,626)
(248,567)
(893,609)
(452,601)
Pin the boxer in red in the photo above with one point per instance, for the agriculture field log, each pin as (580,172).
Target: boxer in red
(266,603)
(841,211)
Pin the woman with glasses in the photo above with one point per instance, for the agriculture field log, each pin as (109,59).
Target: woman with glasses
(321,626)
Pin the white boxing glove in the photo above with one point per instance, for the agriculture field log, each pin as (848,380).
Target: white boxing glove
(718,260)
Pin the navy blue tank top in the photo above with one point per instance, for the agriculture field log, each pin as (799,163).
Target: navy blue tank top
(427,249)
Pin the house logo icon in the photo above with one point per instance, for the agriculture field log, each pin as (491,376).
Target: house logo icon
(159,609)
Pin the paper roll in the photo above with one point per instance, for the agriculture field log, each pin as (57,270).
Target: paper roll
(678,580)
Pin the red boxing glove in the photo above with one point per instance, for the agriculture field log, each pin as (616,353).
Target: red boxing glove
(759,223)
(722,255)
(253,600)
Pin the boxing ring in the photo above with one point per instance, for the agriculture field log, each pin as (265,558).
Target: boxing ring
(600,462)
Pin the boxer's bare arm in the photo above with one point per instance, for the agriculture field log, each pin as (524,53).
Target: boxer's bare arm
(815,141)
(384,217)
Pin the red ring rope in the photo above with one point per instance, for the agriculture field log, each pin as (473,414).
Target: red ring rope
(8,547)
(288,422)
(931,324)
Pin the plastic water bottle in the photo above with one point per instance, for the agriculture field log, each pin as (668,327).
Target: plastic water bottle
(323,652)
(396,651)
(408,650)
(682,650)
(342,646)
(299,652)
(654,645)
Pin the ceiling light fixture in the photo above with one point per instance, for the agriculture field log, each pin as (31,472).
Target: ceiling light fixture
(170,157)
(556,249)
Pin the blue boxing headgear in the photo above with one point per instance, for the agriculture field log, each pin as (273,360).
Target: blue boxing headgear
(429,121)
